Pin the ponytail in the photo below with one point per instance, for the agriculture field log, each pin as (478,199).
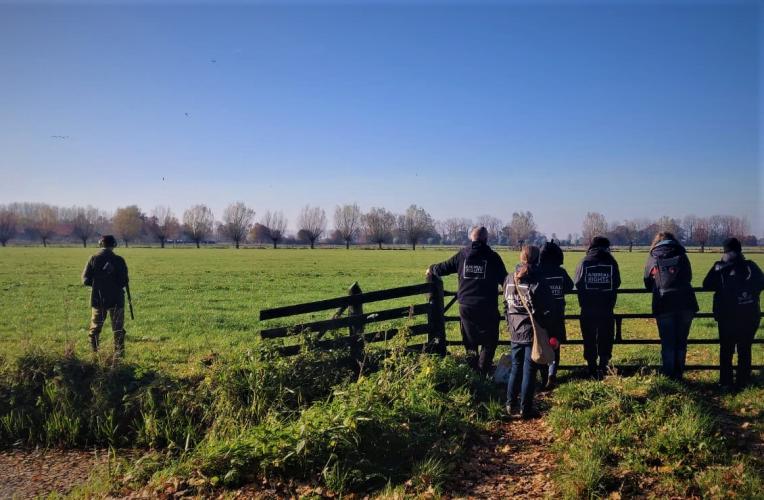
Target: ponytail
(529,257)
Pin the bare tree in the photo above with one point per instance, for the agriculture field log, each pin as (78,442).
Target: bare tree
(43,221)
(378,225)
(197,223)
(702,233)
(260,233)
(275,224)
(237,221)
(347,221)
(127,223)
(670,225)
(163,224)
(633,229)
(415,225)
(84,223)
(493,225)
(311,223)
(521,228)
(688,227)
(8,224)
(594,225)
(457,229)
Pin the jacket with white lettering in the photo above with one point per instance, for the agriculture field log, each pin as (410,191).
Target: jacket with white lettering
(536,292)
(597,280)
(737,284)
(481,271)
(676,294)
(559,284)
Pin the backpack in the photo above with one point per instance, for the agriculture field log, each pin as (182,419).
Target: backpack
(738,287)
(666,273)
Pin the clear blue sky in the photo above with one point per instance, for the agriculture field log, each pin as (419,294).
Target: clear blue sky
(630,109)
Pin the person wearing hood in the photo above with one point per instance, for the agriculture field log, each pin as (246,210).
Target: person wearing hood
(559,283)
(668,274)
(737,284)
(528,281)
(481,271)
(597,280)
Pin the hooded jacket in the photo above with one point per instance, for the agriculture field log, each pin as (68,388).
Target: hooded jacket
(597,280)
(533,286)
(559,283)
(737,284)
(679,296)
(106,274)
(481,271)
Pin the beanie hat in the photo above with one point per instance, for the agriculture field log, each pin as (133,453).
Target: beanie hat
(551,254)
(600,242)
(732,245)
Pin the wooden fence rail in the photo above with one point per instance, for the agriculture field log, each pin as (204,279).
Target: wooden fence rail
(434,308)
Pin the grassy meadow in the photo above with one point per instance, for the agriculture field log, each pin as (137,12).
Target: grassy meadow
(209,406)
(192,302)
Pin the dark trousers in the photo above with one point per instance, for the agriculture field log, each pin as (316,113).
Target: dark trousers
(673,329)
(480,328)
(522,378)
(736,333)
(598,333)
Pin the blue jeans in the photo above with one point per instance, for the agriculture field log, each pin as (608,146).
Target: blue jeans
(522,378)
(673,329)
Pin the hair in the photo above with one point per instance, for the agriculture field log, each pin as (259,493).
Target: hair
(479,233)
(529,257)
(663,235)
(107,241)
(551,254)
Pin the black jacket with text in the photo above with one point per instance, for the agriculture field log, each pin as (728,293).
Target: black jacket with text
(481,271)
(737,284)
(597,280)
(559,284)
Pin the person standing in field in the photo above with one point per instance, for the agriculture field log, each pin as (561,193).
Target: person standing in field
(481,271)
(597,280)
(536,300)
(668,274)
(737,284)
(559,283)
(106,274)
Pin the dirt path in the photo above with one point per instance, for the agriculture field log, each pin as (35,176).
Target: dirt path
(33,473)
(513,460)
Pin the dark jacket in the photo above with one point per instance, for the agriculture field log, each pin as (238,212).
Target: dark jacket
(737,284)
(533,286)
(481,271)
(106,273)
(671,257)
(559,284)
(597,280)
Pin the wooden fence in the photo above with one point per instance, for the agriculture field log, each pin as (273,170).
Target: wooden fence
(349,313)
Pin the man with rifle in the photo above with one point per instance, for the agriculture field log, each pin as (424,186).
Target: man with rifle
(106,274)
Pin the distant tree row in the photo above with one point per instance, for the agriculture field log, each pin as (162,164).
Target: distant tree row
(379,226)
(692,230)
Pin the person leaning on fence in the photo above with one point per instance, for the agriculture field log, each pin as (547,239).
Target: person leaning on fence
(106,274)
(737,284)
(559,283)
(597,280)
(481,271)
(668,274)
(537,300)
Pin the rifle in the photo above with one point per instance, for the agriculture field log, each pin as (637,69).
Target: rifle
(129,301)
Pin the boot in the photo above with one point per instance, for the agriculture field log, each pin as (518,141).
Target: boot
(94,343)
(551,383)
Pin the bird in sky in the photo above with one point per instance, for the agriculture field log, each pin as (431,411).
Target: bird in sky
(62,137)
(213,60)
(188,116)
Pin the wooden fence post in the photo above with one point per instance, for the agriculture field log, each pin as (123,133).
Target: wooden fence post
(436,322)
(618,329)
(356,329)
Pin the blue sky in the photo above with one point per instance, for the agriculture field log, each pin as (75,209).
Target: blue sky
(630,109)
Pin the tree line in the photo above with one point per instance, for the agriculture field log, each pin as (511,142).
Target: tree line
(350,225)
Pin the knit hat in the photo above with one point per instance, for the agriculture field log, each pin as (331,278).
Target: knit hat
(732,245)
(551,254)
(599,242)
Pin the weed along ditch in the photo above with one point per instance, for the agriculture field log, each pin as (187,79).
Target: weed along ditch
(329,404)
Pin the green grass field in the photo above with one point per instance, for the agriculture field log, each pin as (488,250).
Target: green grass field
(244,415)
(192,302)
